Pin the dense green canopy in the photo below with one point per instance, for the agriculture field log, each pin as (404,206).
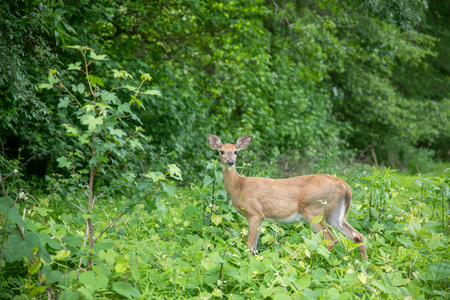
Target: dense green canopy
(371,77)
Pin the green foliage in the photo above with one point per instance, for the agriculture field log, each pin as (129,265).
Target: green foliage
(297,76)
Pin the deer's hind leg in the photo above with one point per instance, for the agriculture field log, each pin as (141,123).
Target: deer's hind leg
(337,220)
(321,227)
(353,235)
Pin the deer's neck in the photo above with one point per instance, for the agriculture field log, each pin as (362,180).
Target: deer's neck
(233,182)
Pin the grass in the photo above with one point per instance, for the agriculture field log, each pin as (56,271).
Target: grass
(192,245)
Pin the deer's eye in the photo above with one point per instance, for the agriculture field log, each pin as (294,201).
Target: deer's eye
(222,152)
(235,152)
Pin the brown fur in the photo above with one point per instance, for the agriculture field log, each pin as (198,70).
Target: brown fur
(259,198)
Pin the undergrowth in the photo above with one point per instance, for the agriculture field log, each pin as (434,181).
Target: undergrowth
(192,245)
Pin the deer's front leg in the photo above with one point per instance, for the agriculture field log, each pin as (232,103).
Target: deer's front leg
(254,224)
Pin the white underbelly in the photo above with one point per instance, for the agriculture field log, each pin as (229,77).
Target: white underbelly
(294,219)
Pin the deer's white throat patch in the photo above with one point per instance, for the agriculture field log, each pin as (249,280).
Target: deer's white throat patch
(294,219)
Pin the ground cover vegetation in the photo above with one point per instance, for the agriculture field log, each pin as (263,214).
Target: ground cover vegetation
(108,187)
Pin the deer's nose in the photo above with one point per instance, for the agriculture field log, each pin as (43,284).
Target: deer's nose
(230,162)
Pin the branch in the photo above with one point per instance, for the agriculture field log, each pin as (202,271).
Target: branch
(81,259)
(77,207)
(109,226)
(5,241)
(95,198)
(21,233)
(17,198)
(3,187)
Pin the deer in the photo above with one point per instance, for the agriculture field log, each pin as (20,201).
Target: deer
(288,200)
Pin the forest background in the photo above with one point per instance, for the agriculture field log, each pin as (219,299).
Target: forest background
(108,186)
(370,78)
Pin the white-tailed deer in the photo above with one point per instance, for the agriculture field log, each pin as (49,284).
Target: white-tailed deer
(286,200)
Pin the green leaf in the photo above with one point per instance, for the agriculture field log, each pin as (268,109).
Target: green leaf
(266,238)
(46,86)
(125,289)
(109,256)
(63,103)
(63,163)
(434,243)
(397,279)
(191,210)
(96,282)
(95,80)
(62,254)
(155,176)
(75,66)
(55,276)
(87,293)
(25,247)
(405,241)
(97,57)
(34,268)
(42,211)
(317,219)
(175,172)
(151,92)
(170,190)
(92,121)
(216,219)
(265,292)
(207,180)
(282,297)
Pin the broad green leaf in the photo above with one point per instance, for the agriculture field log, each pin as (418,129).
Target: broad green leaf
(434,243)
(216,219)
(309,293)
(62,254)
(80,88)
(207,180)
(405,241)
(191,210)
(317,219)
(55,276)
(63,103)
(265,291)
(34,268)
(88,278)
(75,66)
(266,238)
(135,143)
(303,282)
(87,293)
(95,80)
(155,176)
(125,289)
(175,172)
(92,121)
(397,279)
(130,88)
(42,211)
(152,92)
(25,247)
(108,255)
(170,190)
(63,163)
(362,278)
(97,57)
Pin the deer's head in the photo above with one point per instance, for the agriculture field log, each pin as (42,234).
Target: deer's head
(228,152)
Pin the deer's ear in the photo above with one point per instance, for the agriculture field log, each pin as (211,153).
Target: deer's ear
(243,142)
(214,141)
